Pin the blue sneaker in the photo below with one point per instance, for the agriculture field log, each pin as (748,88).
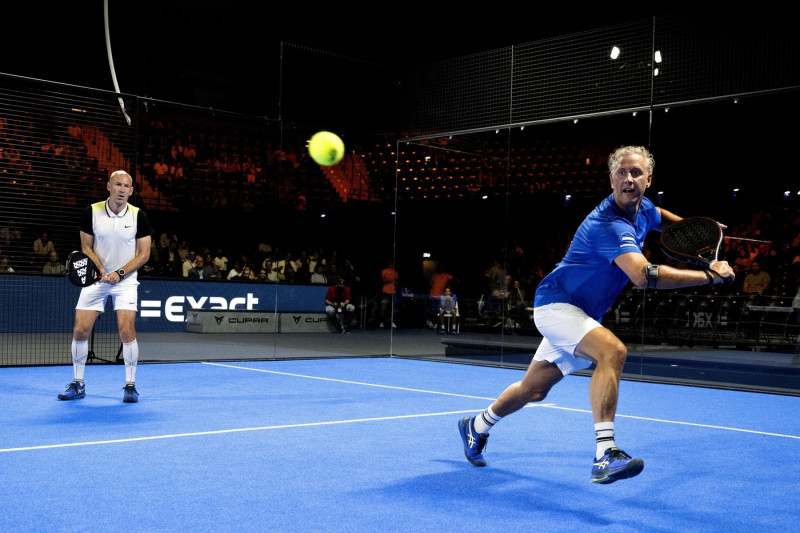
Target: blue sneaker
(474,443)
(615,464)
(75,391)
(130,396)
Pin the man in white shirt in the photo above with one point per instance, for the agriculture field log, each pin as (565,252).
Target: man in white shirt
(116,236)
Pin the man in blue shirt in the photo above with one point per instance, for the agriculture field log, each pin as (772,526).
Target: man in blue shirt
(604,255)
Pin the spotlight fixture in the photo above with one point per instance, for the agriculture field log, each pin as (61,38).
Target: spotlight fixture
(614,52)
(657,56)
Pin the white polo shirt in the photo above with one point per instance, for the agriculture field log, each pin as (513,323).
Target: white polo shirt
(115,235)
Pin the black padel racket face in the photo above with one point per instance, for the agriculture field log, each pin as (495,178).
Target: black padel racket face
(81,270)
(693,240)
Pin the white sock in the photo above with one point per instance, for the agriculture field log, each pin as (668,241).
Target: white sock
(604,435)
(485,421)
(130,353)
(80,352)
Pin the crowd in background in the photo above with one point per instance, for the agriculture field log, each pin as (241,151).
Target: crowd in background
(764,250)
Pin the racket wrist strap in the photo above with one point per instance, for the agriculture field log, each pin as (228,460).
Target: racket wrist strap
(710,276)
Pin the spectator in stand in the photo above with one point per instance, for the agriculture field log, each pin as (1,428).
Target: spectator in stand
(54,266)
(42,248)
(756,281)
(247,274)
(15,250)
(332,272)
(272,272)
(188,263)
(302,274)
(150,269)
(190,155)
(351,278)
(318,277)
(161,174)
(313,261)
(743,262)
(170,260)
(221,260)
(768,258)
(211,268)
(7,233)
(166,238)
(183,249)
(4,265)
(235,271)
(287,268)
(198,271)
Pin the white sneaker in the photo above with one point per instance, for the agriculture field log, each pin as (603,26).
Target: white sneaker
(393,325)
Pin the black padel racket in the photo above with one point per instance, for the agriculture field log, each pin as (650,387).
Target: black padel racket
(81,270)
(693,240)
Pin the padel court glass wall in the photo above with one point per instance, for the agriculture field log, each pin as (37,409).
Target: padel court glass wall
(476,166)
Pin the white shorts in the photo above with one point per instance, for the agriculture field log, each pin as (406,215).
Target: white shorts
(563,326)
(124,295)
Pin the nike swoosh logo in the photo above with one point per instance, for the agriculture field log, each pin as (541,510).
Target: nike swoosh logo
(128,226)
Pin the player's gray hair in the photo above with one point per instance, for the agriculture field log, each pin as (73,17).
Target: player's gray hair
(616,156)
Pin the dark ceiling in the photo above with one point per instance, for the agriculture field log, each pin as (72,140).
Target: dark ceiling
(170,48)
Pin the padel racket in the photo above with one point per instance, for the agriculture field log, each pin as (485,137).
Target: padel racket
(81,270)
(693,240)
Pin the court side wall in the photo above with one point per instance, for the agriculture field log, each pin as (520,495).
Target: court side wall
(47,304)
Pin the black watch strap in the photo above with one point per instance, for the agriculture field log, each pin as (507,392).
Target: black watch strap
(121,273)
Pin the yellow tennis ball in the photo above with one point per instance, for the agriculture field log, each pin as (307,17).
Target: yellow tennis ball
(326,148)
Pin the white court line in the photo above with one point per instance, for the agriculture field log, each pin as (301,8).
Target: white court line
(358,382)
(356,420)
(237,430)
(710,426)
(550,405)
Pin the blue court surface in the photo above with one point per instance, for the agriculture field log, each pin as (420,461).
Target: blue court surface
(371,444)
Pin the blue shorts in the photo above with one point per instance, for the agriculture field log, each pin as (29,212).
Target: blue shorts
(563,326)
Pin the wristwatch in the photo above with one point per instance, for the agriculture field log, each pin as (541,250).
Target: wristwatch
(121,274)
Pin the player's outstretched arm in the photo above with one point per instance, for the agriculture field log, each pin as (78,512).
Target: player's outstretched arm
(635,265)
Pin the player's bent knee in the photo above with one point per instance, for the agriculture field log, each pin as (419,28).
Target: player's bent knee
(613,354)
